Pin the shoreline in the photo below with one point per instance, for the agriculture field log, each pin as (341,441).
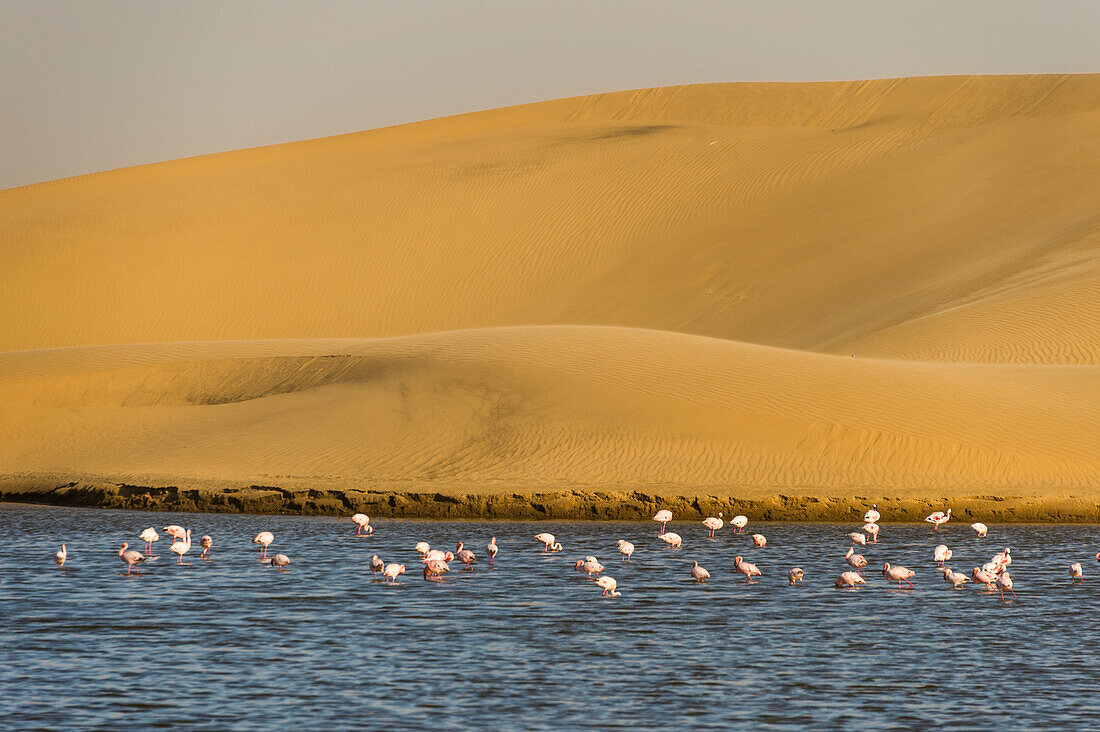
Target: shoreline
(329,498)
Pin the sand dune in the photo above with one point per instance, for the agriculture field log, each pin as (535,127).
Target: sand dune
(890,287)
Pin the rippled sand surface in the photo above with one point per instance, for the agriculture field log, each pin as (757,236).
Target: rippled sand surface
(229,642)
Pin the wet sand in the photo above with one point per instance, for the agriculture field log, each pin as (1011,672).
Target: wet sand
(595,503)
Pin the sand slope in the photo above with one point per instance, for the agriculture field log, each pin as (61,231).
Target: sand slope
(887,287)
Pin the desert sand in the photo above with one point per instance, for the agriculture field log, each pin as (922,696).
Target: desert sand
(786,299)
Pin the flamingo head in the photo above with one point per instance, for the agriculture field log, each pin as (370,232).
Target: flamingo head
(737,559)
(459,547)
(579,564)
(886,567)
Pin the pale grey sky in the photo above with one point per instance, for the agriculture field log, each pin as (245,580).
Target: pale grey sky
(89,85)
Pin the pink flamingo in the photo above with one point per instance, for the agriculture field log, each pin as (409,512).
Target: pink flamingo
(855,561)
(759,540)
(264,539)
(984,577)
(713,524)
(1076,572)
(176,532)
(376,566)
(939,518)
(849,579)
(739,522)
(589,565)
(491,549)
(465,556)
(280,561)
(698,573)
(149,536)
(181,548)
(392,571)
(673,539)
(795,575)
(872,516)
(608,584)
(858,538)
(748,569)
(62,555)
(131,557)
(942,554)
(871,531)
(898,573)
(207,544)
(626,549)
(662,517)
(362,521)
(1004,582)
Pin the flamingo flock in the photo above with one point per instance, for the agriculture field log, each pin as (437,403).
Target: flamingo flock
(993,575)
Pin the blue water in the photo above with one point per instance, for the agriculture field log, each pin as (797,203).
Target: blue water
(231,643)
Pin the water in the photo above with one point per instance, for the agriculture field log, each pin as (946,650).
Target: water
(230,643)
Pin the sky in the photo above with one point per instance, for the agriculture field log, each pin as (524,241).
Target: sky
(90,86)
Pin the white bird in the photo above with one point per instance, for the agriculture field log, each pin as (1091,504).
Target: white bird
(759,540)
(548,542)
(858,538)
(180,548)
(63,554)
(984,577)
(491,549)
(465,556)
(176,532)
(1004,582)
(898,573)
(955,579)
(207,544)
(589,565)
(849,579)
(872,516)
(713,524)
(362,521)
(980,529)
(939,518)
(264,539)
(872,531)
(942,554)
(673,539)
(748,569)
(739,522)
(608,584)
(149,536)
(662,517)
(392,571)
(131,557)
(376,566)
(626,549)
(422,548)
(280,561)
(855,561)
(1002,559)
(795,575)
(1076,571)
(698,573)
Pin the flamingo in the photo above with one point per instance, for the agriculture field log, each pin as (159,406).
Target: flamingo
(181,547)
(362,522)
(433,555)
(955,579)
(849,579)
(747,568)
(984,577)
(739,523)
(698,573)
(589,565)
(62,555)
(942,554)
(626,549)
(898,573)
(858,538)
(422,548)
(662,517)
(855,561)
(392,571)
(795,575)
(872,531)
(1002,560)
(548,542)
(673,539)
(433,570)
(872,516)
(1076,572)
(465,556)
(130,557)
(979,528)
(759,540)
(1098,556)
(280,561)
(939,518)
(608,584)
(207,544)
(376,566)
(264,539)
(176,532)
(491,549)
(149,536)
(713,524)
(1004,582)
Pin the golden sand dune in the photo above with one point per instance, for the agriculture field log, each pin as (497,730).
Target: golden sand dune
(890,287)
